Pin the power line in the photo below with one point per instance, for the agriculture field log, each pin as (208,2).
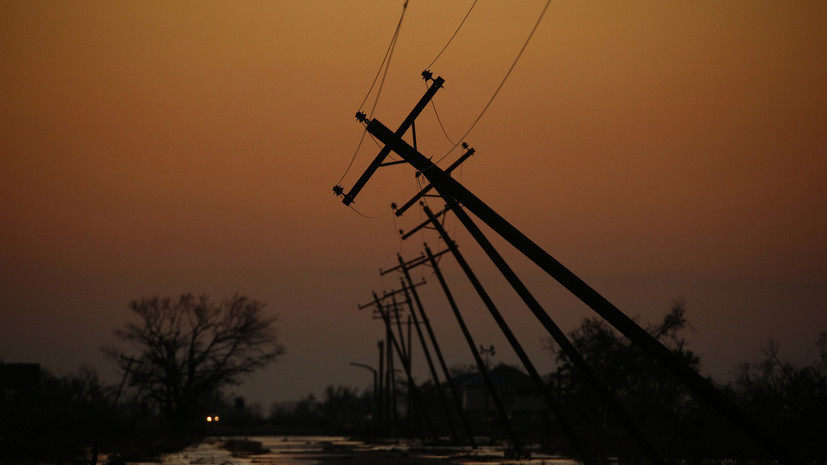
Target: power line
(452,36)
(385,59)
(433,105)
(364,215)
(439,120)
(507,74)
(388,64)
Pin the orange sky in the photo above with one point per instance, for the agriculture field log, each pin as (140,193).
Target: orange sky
(657,149)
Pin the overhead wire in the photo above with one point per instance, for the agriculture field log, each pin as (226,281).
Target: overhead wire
(385,64)
(375,141)
(433,104)
(502,83)
(445,47)
(364,215)
(388,55)
(439,120)
(452,36)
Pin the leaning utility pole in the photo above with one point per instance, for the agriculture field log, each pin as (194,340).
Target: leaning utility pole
(413,391)
(512,340)
(405,267)
(554,331)
(428,359)
(481,366)
(449,187)
(380,400)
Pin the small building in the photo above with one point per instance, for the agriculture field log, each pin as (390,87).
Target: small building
(514,388)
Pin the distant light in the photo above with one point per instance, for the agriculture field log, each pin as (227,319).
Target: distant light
(216,418)
(209,419)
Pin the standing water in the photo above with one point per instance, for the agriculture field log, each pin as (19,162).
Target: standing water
(335,450)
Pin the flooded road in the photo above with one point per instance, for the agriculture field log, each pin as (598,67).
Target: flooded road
(336,450)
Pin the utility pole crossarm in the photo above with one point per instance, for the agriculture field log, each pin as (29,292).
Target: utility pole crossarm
(423,260)
(393,292)
(425,224)
(409,264)
(380,158)
(399,211)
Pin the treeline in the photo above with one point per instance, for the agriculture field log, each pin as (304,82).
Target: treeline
(76,416)
(788,400)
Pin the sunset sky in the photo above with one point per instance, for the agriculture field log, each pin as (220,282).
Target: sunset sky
(658,149)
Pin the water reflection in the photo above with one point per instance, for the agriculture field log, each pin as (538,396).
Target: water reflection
(309,450)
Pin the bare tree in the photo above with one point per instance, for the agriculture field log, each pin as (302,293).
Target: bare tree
(183,350)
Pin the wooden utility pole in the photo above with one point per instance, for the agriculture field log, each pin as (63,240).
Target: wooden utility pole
(391,377)
(405,267)
(394,309)
(560,337)
(556,333)
(702,387)
(469,339)
(449,187)
(429,360)
(380,400)
(387,383)
(512,339)
(413,391)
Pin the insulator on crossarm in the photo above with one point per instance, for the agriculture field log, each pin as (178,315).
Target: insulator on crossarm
(361,117)
(427,75)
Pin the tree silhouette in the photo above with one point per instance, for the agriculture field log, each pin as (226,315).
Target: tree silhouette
(187,348)
(656,399)
(790,399)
